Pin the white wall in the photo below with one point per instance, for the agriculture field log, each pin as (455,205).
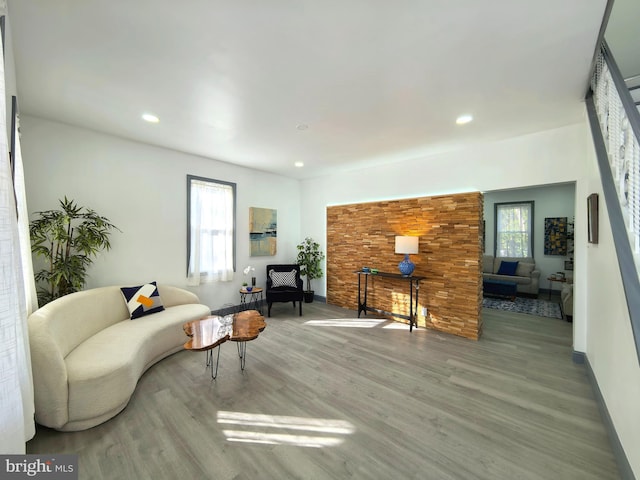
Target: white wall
(9,72)
(142,190)
(550,201)
(610,348)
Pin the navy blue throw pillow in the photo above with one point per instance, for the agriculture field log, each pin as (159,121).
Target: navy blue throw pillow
(507,268)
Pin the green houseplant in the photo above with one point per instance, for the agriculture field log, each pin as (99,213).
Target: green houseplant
(309,259)
(67,239)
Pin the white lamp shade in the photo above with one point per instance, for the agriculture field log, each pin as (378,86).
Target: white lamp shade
(407,245)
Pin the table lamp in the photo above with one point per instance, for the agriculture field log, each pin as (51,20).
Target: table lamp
(406,245)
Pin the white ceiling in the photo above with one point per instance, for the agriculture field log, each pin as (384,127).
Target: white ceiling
(373,80)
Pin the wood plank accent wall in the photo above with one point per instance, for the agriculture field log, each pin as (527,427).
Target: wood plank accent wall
(450,231)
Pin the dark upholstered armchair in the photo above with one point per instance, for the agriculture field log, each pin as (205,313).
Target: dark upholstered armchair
(284,285)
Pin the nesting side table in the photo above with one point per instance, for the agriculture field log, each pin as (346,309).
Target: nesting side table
(251,300)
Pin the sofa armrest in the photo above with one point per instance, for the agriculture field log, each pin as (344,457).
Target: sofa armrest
(566,297)
(50,380)
(535,274)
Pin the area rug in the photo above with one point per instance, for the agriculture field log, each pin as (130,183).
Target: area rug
(531,306)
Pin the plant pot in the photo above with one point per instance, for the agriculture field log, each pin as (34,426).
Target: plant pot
(308,296)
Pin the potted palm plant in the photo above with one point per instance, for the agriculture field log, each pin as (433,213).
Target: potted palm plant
(310,260)
(67,239)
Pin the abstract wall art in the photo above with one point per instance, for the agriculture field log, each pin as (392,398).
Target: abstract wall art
(555,236)
(263,231)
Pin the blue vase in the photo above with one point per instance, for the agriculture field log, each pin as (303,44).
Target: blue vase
(406,266)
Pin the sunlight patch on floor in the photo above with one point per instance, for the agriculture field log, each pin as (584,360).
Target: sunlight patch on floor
(398,326)
(258,428)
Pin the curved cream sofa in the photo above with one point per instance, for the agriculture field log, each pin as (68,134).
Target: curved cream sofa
(87,355)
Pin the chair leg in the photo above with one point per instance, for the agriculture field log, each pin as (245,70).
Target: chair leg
(269,309)
(300,303)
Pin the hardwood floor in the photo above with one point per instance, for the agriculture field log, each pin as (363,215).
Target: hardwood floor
(330,396)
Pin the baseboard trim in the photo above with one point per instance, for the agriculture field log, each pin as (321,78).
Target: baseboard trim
(578,357)
(230,308)
(225,310)
(626,473)
(543,293)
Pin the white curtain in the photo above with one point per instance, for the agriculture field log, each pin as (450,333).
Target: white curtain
(16,390)
(31,296)
(211,232)
(514,225)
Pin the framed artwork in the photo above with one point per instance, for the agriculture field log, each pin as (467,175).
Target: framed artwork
(555,236)
(263,231)
(592,218)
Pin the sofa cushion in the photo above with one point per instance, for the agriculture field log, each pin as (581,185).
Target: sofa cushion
(142,300)
(525,269)
(507,268)
(507,278)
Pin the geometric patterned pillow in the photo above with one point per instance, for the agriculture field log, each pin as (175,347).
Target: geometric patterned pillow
(142,300)
(283,279)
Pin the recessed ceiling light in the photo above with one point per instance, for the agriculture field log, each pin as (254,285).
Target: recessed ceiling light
(148,117)
(462,119)
(299,164)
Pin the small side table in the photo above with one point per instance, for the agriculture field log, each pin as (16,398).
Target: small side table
(251,300)
(554,279)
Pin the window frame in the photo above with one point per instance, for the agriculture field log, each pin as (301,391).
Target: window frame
(496,207)
(233,186)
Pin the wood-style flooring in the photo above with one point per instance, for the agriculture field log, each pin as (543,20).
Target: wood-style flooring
(330,396)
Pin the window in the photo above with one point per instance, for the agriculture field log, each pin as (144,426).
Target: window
(513,229)
(211,218)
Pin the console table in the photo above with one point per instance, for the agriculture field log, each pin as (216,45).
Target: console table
(413,281)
